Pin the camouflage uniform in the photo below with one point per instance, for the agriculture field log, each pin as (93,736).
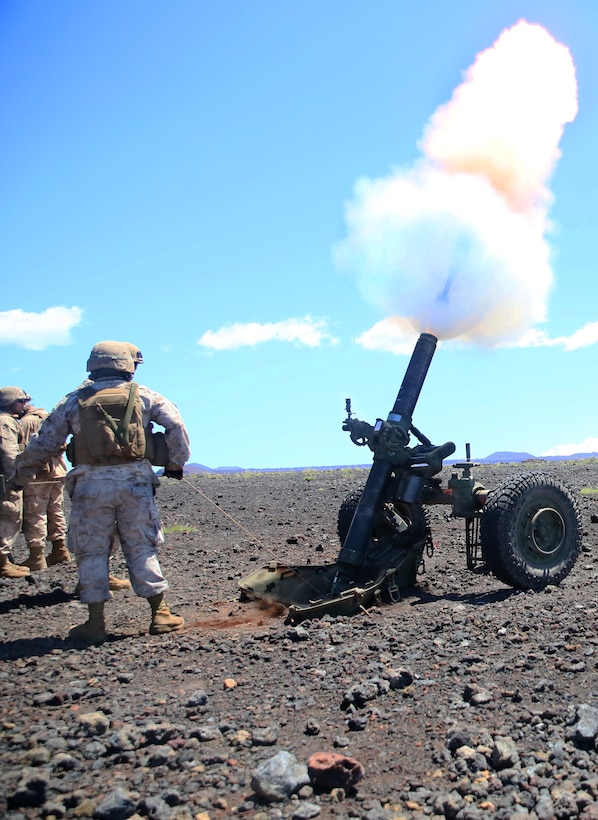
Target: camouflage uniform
(11,506)
(111,499)
(43,512)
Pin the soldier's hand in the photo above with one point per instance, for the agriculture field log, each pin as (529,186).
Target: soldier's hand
(178,474)
(12,485)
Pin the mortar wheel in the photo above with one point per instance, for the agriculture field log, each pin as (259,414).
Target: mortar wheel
(388,522)
(346,513)
(531,531)
(406,523)
(398,537)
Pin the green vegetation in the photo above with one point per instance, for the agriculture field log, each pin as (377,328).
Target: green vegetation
(172,528)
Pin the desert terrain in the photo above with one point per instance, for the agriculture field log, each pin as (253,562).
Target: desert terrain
(465,699)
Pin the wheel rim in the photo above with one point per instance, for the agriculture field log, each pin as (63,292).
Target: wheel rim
(543,532)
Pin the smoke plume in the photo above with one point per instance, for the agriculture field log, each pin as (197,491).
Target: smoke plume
(457,244)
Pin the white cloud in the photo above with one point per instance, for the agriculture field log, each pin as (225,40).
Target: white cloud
(394,335)
(586,336)
(590,445)
(304,330)
(36,331)
(397,335)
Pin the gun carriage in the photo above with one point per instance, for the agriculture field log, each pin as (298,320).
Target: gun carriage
(527,531)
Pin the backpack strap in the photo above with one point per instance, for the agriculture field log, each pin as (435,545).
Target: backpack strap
(129,413)
(121,431)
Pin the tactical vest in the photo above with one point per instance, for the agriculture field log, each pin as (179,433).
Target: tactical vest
(111,426)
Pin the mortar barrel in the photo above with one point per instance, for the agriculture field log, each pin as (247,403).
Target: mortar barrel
(353,551)
(414,378)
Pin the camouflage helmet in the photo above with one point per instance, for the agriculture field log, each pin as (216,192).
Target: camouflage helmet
(111,356)
(9,395)
(135,353)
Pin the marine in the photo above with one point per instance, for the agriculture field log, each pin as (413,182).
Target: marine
(43,510)
(112,483)
(12,406)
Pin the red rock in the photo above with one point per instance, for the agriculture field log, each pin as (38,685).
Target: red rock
(328,770)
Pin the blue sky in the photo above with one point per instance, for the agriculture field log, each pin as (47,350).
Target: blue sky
(185,176)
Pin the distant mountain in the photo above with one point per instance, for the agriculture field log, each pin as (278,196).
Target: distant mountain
(507,457)
(201,468)
(197,468)
(500,457)
(574,457)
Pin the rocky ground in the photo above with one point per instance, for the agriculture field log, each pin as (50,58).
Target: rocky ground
(466,699)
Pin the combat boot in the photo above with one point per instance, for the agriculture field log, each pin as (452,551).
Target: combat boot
(94,629)
(162,619)
(59,554)
(36,560)
(115,584)
(10,570)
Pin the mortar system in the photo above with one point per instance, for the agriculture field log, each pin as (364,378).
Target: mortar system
(527,531)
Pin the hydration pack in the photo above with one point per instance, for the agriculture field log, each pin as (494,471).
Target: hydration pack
(111,426)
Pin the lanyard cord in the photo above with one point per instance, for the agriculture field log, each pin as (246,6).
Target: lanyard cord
(244,529)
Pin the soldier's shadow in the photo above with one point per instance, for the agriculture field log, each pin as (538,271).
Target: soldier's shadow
(44,645)
(37,647)
(38,599)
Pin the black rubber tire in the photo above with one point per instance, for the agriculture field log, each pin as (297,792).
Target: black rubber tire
(531,532)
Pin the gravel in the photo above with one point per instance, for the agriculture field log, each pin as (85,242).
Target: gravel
(465,699)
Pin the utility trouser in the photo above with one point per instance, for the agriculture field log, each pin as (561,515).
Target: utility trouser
(11,519)
(101,508)
(43,513)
